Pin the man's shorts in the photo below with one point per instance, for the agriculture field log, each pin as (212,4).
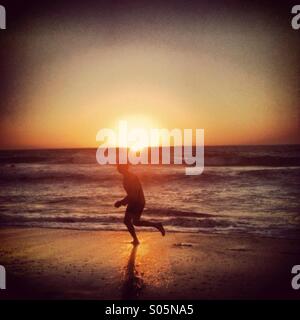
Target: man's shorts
(134,210)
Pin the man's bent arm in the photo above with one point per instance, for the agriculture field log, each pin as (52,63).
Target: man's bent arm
(124,201)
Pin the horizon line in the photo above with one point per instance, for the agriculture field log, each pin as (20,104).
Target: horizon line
(87,148)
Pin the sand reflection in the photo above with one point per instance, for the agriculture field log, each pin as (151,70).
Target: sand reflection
(133,283)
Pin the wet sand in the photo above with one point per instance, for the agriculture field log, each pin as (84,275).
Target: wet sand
(68,264)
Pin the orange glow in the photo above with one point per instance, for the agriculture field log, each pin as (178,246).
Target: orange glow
(238,93)
(138,147)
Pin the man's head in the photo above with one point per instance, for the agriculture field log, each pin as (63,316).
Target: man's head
(123,168)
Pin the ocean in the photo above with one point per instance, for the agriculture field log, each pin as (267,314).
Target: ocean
(250,190)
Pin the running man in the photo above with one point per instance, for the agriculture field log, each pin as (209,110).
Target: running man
(135,202)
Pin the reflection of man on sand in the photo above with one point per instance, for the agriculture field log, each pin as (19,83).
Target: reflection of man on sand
(133,281)
(135,202)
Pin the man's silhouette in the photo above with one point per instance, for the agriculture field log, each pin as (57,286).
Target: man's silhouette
(135,202)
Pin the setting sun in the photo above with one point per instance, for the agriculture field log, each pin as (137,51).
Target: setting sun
(138,147)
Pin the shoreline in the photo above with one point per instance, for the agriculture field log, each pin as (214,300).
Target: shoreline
(147,230)
(44,263)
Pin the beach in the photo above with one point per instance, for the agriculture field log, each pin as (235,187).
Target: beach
(46,263)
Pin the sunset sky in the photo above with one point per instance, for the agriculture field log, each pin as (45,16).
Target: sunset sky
(70,70)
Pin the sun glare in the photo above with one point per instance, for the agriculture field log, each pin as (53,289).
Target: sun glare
(138,147)
(135,123)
